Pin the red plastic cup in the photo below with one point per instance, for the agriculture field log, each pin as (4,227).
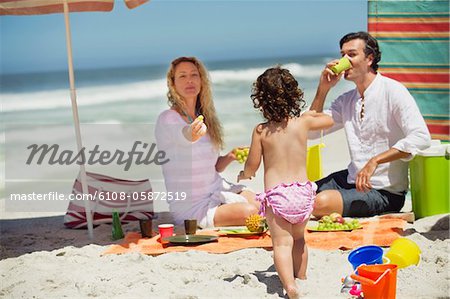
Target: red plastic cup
(165,230)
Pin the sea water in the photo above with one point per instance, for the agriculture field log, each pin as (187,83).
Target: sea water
(119,105)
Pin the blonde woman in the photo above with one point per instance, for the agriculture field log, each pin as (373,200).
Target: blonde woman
(192,145)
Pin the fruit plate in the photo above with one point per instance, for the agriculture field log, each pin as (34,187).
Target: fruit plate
(240,232)
(190,239)
(314,229)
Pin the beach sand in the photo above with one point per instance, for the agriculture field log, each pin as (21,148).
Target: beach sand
(42,259)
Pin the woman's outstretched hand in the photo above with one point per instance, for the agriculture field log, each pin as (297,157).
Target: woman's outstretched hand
(197,128)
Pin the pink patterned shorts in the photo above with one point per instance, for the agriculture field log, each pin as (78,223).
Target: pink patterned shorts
(294,202)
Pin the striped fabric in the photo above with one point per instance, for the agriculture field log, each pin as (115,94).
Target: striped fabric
(133,200)
(414,40)
(40,7)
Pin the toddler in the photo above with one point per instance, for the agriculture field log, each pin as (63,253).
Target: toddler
(281,142)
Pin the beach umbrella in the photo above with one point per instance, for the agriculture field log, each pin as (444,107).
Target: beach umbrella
(39,7)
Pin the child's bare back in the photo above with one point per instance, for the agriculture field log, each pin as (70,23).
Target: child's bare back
(284,147)
(284,151)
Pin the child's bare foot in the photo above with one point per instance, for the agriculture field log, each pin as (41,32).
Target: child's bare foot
(293,292)
(302,285)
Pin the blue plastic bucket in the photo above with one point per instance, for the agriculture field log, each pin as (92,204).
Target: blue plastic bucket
(369,255)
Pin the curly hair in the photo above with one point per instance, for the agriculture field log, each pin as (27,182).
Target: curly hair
(371,46)
(204,105)
(277,95)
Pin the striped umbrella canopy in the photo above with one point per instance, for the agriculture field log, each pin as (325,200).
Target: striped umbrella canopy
(414,39)
(39,7)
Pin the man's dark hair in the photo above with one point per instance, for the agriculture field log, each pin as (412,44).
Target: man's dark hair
(371,46)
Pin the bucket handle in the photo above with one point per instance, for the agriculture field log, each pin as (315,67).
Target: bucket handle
(369,281)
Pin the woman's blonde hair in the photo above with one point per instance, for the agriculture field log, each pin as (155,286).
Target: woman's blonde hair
(205,104)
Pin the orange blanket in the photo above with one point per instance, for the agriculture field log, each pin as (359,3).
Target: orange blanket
(133,242)
(377,231)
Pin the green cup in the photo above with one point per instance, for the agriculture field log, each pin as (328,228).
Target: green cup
(343,65)
(190,226)
(146,228)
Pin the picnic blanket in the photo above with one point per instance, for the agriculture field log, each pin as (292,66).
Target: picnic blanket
(376,231)
(133,242)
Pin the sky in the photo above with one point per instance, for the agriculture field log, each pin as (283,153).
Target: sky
(160,30)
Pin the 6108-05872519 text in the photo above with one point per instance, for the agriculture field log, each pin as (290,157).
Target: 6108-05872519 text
(144,195)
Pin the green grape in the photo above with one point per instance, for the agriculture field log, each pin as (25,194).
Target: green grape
(326,219)
(241,154)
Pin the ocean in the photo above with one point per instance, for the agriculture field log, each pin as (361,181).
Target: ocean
(113,102)
(137,94)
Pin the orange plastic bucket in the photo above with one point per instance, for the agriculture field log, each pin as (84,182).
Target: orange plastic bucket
(377,281)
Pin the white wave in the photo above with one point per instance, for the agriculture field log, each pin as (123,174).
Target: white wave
(250,74)
(305,71)
(223,76)
(142,90)
(86,96)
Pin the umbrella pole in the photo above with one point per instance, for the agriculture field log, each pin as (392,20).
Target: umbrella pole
(76,120)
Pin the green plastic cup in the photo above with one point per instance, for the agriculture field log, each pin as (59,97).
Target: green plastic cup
(190,226)
(343,65)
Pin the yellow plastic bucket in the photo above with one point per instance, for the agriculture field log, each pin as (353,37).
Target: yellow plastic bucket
(314,162)
(403,253)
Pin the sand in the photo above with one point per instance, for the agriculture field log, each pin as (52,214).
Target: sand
(42,259)
(60,264)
